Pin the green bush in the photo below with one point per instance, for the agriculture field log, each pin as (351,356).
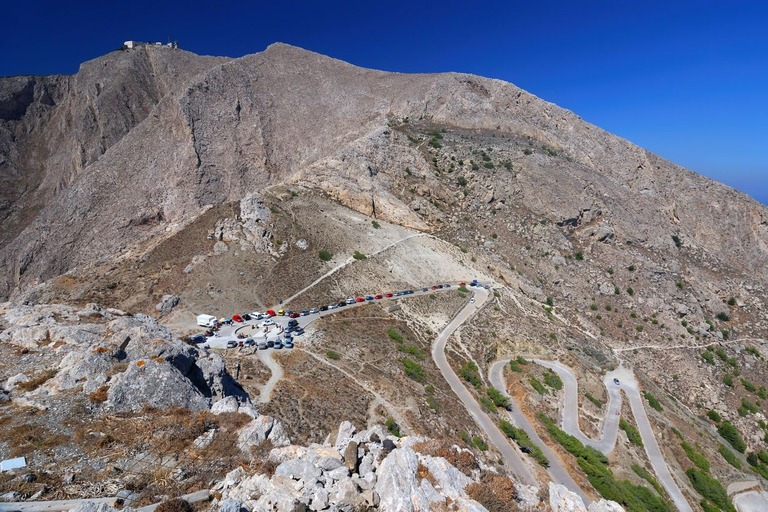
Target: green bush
(645,475)
(634,498)
(631,268)
(392,426)
(394,335)
(652,401)
(487,403)
(729,456)
(630,291)
(412,350)
(480,443)
(359,256)
(325,255)
(469,374)
(723,316)
(594,400)
(748,386)
(461,181)
(578,256)
(553,380)
(538,387)
(519,436)
(499,400)
(697,458)
(463,289)
(550,302)
(330,354)
(375,224)
(708,357)
(729,432)
(728,380)
(515,366)
(714,416)
(521,360)
(632,433)
(676,240)
(413,369)
(710,488)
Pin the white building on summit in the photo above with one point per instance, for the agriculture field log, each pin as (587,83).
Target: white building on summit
(129,45)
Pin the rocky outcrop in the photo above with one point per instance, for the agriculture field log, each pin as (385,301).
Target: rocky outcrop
(318,477)
(561,499)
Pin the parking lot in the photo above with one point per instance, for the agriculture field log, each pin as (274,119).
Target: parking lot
(271,329)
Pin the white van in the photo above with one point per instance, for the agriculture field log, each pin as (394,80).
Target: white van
(206,320)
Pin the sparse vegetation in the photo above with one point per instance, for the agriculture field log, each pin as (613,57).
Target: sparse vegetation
(325,255)
(553,380)
(359,256)
(392,426)
(522,439)
(469,374)
(714,416)
(375,224)
(729,456)
(723,316)
(652,401)
(538,386)
(729,432)
(413,369)
(710,488)
(394,335)
(592,399)
(499,400)
(695,457)
(632,433)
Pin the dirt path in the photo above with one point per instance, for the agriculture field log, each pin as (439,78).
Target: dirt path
(344,264)
(267,357)
(399,418)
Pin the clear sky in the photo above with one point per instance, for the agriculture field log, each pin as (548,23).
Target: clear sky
(686,80)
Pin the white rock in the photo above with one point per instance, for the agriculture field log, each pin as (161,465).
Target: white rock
(605,506)
(225,405)
(563,500)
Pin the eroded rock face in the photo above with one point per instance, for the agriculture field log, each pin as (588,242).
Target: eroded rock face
(563,500)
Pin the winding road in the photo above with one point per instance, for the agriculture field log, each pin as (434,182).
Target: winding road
(556,470)
(607,441)
(499,440)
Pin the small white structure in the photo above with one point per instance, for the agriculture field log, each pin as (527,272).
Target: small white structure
(130,45)
(206,320)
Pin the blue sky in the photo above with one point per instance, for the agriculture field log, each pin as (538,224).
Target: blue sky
(686,80)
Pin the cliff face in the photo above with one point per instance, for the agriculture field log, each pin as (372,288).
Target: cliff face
(139,142)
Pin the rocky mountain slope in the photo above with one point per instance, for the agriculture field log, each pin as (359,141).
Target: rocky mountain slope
(168,184)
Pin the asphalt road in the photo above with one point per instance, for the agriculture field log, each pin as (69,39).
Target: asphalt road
(570,423)
(556,470)
(631,388)
(513,460)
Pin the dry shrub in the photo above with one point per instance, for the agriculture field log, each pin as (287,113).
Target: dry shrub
(496,493)
(25,439)
(175,505)
(100,395)
(37,381)
(462,460)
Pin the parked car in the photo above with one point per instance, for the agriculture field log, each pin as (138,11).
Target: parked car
(255,315)
(293,322)
(472,300)
(269,321)
(359,299)
(197,338)
(294,315)
(281,312)
(342,304)
(332,306)
(237,318)
(462,283)
(271,312)
(298,332)
(439,287)
(278,344)
(369,297)
(231,344)
(270,343)
(288,344)
(378,296)
(409,292)
(323,308)
(246,317)
(434,287)
(446,285)
(616,381)
(304,313)
(389,295)
(314,311)
(425,289)
(249,342)
(262,345)
(350,300)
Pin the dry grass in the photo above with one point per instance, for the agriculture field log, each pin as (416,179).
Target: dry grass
(100,395)
(461,460)
(25,439)
(496,493)
(175,505)
(36,381)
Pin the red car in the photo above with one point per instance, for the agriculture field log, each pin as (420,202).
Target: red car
(359,299)
(237,318)
(388,295)
(294,315)
(271,312)
(379,296)
(434,287)
(462,284)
